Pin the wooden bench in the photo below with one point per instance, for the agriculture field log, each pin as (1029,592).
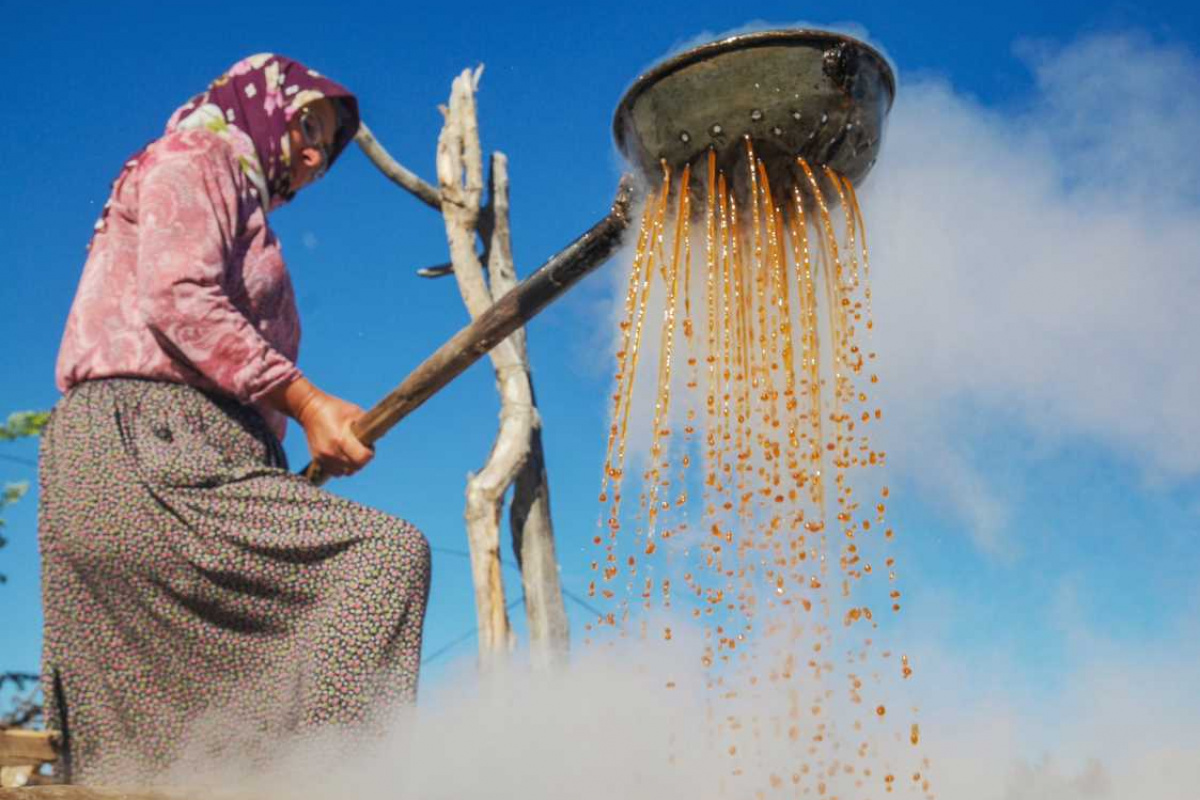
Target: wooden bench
(22,754)
(91,793)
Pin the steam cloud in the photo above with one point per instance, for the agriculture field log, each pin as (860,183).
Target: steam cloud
(1124,727)
(1037,268)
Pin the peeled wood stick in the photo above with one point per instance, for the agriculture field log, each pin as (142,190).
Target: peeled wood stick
(460,178)
(509,313)
(529,513)
(399,174)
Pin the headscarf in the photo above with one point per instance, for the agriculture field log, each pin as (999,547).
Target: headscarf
(250,106)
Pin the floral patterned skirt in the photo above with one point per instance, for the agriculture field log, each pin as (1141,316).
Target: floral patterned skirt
(200,599)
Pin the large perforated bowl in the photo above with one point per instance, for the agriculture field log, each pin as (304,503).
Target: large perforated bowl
(820,95)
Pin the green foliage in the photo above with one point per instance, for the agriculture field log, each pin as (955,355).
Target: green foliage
(11,494)
(23,423)
(20,424)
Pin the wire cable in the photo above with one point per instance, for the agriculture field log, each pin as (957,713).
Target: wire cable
(441,651)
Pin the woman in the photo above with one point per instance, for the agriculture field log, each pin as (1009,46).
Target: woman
(193,587)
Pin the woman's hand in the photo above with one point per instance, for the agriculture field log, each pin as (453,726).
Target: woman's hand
(326,421)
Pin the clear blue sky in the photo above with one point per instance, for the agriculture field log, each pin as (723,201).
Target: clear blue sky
(1094,524)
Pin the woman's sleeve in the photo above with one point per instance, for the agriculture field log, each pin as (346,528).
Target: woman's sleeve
(188,219)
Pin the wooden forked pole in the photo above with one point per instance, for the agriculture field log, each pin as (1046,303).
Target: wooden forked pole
(499,308)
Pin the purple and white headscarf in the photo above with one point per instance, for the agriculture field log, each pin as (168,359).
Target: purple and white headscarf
(251,105)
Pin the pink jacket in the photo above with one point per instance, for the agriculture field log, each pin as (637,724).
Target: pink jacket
(185,281)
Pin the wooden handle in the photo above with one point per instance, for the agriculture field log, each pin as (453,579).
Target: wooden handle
(521,304)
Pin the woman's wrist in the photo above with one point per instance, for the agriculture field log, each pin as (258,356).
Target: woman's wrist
(294,399)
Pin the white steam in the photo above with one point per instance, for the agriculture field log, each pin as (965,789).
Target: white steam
(1037,268)
(1120,721)
(1124,727)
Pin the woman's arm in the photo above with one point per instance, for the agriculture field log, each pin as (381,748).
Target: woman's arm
(188,221)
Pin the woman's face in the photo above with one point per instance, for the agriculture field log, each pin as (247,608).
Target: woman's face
(312,132)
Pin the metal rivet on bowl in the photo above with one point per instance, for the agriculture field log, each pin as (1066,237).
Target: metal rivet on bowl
(716,129)
(756,115)
(778,131)
(796,115)
(685,137)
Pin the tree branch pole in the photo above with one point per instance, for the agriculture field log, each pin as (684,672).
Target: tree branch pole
(400,175)
(410,182)
(517,456)
(460,180)
(529,514)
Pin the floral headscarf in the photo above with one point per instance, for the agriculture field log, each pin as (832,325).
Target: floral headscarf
(251,105)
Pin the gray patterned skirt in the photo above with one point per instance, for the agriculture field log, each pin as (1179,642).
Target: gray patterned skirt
(201,599)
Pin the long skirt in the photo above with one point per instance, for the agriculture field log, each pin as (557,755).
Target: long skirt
(200,598)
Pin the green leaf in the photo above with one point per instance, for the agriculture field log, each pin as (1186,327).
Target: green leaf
(13,492)
(23,423)
(20,424)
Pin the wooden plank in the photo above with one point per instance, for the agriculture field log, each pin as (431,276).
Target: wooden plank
(62,792)
(93,793)
(19,748)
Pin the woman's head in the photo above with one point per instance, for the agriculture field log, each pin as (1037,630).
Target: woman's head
(312,134)
(287,122)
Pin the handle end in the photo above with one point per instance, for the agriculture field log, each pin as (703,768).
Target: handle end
(314,474)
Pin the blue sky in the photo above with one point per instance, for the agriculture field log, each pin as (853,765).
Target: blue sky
(1034,197)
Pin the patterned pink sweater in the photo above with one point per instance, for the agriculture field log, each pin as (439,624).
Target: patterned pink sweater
(185,281)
